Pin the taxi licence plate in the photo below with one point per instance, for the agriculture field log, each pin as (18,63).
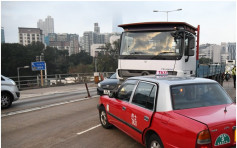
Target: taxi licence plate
(106,92)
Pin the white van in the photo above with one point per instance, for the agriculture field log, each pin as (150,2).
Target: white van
(9,92)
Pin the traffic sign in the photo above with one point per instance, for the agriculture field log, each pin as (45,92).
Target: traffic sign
(37,66)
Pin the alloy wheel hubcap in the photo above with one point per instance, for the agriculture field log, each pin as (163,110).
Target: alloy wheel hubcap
(155,144)
(5,101)
(103,118)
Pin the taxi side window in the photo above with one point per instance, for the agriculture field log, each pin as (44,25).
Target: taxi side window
(126,90)
(144,95)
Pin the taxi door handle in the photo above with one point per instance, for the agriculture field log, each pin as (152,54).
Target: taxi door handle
(146,118)
(123,108)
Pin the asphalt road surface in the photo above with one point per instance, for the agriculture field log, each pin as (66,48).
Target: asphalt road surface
(59,120)
(62,117)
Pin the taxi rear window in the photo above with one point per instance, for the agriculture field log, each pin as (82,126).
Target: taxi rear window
(198,95)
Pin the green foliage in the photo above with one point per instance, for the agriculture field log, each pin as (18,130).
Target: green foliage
(81,63)
(58,61)
(80,58)
(16,55)
(107,61)
(81,68)
(205,61)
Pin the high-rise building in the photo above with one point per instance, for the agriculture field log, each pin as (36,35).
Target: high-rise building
(74,44)
(117,20)
(29,35)
(88,41)
(89,38)
(96,28)
(47,26)
(64,41)
(2,35)
(232,51)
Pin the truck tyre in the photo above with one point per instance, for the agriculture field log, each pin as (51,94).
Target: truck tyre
(6,100)
(154,142)
(103,118)
(144,73)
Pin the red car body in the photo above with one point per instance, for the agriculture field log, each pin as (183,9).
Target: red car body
(175,128)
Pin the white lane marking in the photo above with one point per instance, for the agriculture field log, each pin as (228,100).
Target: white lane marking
(44,107)
(89,129)
(25,95)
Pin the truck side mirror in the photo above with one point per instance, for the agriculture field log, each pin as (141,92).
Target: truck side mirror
(191,46)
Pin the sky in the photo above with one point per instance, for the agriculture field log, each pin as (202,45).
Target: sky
(217,19)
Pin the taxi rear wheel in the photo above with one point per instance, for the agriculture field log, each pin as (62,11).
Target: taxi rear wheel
(154,142)
(103,119)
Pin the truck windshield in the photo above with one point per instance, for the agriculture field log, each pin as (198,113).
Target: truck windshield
(198,95)
(150,44)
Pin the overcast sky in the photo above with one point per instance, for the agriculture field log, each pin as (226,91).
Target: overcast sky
(216,18)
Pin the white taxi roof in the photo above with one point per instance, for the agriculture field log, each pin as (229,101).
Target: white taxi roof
(164,102)
(173,80)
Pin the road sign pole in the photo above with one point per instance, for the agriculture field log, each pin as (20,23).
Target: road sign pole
(42,82)
(45,75)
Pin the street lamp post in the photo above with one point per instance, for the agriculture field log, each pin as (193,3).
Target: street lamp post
(18,74)
(167,12)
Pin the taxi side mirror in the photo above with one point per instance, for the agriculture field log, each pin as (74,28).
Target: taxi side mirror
(113,94)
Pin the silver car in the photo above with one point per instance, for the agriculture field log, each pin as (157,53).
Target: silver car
(9,92)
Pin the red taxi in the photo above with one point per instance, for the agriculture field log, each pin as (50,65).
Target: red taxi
(171,112)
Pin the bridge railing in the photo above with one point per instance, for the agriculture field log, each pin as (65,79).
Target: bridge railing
(29,82)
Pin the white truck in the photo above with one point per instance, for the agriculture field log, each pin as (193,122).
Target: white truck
(152,47)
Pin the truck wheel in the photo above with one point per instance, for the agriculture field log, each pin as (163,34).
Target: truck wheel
(154,142)
(6,100)
(144,73)
(103,118)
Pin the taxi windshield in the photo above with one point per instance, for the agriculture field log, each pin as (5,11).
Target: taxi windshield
(198,95)
(150,43)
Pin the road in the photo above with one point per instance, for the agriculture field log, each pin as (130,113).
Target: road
(62,117)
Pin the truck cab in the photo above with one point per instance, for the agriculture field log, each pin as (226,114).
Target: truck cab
(158,46)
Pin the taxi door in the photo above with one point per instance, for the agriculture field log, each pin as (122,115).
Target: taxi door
(141,108)
(117,107)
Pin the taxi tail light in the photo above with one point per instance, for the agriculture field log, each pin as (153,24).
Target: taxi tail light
(204,139)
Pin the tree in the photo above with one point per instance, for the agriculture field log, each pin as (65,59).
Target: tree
(81,63)
(56,60)
(16,55)
(107,61)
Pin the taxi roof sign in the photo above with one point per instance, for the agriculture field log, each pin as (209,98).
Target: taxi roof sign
(161,73)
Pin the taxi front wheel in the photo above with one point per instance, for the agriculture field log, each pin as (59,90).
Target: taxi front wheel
(154,142)
(103,119)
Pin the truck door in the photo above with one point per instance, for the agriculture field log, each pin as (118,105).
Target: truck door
(141,108)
